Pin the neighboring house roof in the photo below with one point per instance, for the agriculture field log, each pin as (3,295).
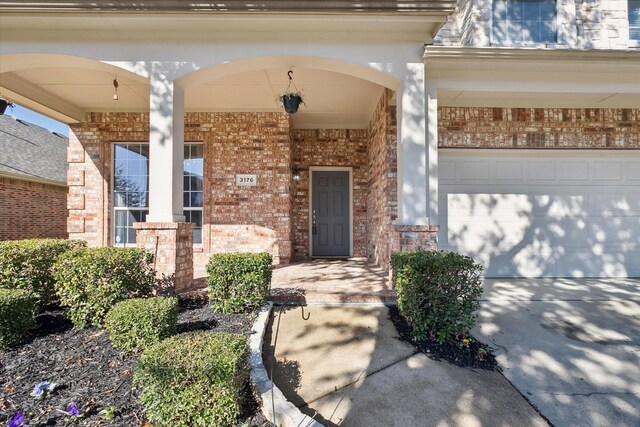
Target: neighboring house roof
(30,152)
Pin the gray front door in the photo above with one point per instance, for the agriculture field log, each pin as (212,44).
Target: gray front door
(330,214)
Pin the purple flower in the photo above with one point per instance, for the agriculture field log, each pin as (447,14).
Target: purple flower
(17,421)
(73,410)
(42,388)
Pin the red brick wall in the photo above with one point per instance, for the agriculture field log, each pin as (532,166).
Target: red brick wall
(248,218)
(235,218)
(382,197)
(30,210)
(568,128)
(89,176)
(330,147)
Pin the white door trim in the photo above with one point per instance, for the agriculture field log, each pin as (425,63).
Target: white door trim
(331,169)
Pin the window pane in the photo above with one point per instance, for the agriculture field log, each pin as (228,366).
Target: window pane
(186,199)
(131,235)
(196,183)
(634,19)
(197,236)
(121,235)
(196,199)
(523,21)
(131,192)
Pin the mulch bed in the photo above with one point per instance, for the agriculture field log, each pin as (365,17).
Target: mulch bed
(472,354)
(88,370)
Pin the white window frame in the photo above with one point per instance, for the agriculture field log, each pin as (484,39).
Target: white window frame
(557,42)
(113,207)
(201,209)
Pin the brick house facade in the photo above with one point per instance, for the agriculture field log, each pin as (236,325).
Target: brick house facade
(461,127)
(33,191)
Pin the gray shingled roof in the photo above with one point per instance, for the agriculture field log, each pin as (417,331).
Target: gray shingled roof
(32,152)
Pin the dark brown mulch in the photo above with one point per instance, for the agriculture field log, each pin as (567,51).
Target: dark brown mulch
(91,372)
(472,354)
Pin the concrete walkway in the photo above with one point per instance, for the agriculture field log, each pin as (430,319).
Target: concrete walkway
(571,346)
(346,364)
(331,281)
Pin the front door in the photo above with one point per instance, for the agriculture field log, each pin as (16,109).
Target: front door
(330,214)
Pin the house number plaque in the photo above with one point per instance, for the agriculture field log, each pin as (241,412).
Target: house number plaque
(246,180)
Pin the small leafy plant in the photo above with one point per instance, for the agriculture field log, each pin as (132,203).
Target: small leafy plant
(43,389)
(17,310)
(238,282)
(90,281)
(437,292)
(28,265)
(137,323)
(193,379)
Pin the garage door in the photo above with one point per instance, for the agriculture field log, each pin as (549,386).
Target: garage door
(542,213)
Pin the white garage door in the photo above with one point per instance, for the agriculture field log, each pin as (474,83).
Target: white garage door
(542,213)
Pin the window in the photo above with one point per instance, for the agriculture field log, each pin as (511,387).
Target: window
(130,190)
(517,22)
(634,19)
(192,192)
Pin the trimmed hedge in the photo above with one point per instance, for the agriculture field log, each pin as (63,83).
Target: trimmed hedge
(238,282)
(138,323)
(437,292)
(90,281)
(193,379)
(17,310)
(27,264)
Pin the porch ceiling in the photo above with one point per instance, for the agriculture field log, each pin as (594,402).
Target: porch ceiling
(333,100)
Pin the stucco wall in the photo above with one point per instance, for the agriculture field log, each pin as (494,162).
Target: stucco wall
(30,210)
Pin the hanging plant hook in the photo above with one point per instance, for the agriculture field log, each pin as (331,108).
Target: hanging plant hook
(289,74)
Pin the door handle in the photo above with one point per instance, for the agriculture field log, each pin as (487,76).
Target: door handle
(314,230)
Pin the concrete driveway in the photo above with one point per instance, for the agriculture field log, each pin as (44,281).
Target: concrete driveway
(572,347)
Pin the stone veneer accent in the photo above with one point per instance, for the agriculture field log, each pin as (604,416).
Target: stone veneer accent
(562,128)
(602,24)
(30,210)
(330,147)
(382,194)
(172,245)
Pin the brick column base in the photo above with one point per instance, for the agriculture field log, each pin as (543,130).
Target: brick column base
(172,245)
(407,237)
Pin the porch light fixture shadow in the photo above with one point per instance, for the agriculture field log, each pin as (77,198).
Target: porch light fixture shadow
(292,98)
(4,103)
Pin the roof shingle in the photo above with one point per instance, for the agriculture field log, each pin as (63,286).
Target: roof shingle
(31,151)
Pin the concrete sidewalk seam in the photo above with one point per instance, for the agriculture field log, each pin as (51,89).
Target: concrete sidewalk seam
(359,378)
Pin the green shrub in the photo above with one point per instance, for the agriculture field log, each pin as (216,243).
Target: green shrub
(437,292)
(90,281)
(238,282)
(137,323)
(17,309)
(193,379)
(27,264)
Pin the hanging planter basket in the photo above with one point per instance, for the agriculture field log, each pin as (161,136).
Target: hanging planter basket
(291,102)
(3,105)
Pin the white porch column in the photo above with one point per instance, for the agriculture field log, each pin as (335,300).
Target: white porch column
(412,147)
(166,150)
(432,151)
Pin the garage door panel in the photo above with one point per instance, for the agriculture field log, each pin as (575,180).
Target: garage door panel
(567,217)
(633,170)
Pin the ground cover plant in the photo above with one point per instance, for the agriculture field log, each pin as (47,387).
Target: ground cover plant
(138,323)
(238,282)
(27,264)
(70,376)
(89,281)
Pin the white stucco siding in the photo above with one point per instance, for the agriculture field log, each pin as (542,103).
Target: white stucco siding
(543,213)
